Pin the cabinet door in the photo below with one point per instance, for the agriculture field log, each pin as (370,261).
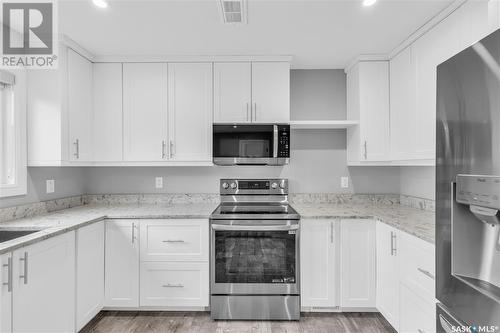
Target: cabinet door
(79,107)
(232,92)
(89,272)
(121,283)
(190,111)
(403,112)
(174,240)
(174,284)
(319,261)
(108,116)
(374,110)
(270,92)
(387,274)
(44,286)
(417,315)
(144,111)
(6,281)
(358,263)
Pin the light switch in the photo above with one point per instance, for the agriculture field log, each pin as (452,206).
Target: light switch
(344,182)
(50,185)
(159,182)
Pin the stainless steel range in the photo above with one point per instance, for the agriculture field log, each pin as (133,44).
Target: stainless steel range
(254,253)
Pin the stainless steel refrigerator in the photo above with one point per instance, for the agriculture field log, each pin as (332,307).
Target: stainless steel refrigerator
(468,189)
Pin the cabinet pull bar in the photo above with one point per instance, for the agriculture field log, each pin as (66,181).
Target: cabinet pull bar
(254,111)
(426,273)
(173,241)
(25,275)
(77,148)
(133,232)
(366,151)
(9,274)
(171,148)
(163,145)
(420,331)
(168,285)
(393,243)
(247,110)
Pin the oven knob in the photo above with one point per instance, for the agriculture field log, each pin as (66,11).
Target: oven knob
(274,186)
(225,185)
(282,185)
(233,185)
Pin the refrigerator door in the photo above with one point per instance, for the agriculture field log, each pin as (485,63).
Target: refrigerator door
(468,143)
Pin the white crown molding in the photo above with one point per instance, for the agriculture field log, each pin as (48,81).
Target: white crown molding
(191,58)
(64,39)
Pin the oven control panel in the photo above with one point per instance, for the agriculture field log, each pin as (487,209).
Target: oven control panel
(253,186)
(478,190)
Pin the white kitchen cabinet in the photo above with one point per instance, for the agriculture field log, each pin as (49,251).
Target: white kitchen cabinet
(80,107)
(121,282)
(190,96)
(6,280)
(417,315)
(319,261)
(145,111)
(271,92)
(176,284)
(232,92)
(44,286)
(174,240)
(358,263)
(108,112)
(388,273)
(368,102)
(89,272)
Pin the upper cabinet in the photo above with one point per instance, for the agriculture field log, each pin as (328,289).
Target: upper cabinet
(257,92)
(368,102)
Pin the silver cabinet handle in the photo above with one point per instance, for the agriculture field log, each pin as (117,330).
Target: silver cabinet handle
(366,151)
(77,148)
(169,285)
(25,275)
(163,146)
(173,241)
(247,110)
(426,273)
(171,143)
(331,232)
(393,243)
(445,324)
(420,331)
(254,111)
(133,233)
(9,274)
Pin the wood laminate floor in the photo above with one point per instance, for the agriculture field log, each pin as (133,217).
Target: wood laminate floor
(200,322)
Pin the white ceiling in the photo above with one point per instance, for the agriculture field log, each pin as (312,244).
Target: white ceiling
(318,34)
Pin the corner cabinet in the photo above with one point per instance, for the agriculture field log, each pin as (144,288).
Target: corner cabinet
(319,263)
(252,92)
(368,103)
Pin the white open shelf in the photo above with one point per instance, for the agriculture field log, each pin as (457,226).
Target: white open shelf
(322,124)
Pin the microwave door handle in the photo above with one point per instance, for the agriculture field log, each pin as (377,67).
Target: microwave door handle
(275,141)
(255,227)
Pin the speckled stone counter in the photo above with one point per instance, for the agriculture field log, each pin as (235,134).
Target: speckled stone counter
(419,223)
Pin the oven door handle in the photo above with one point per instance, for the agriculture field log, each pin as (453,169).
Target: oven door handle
(255,227)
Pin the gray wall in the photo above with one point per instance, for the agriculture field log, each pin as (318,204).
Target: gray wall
(69,181)
(418,181)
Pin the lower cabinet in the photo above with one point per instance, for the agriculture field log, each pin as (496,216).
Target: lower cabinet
(43,286)
(417,315)
(319,263)
(89,272)
(358,264)
(6,292)
(174,284)
(122,264)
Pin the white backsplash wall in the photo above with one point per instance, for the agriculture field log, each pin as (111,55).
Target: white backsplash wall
(69,181)
(418,181)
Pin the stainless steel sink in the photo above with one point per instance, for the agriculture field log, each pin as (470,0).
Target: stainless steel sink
(7,234)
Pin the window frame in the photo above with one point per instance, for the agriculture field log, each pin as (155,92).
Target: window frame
(20,185)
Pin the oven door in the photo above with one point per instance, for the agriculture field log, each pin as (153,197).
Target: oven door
(254,258)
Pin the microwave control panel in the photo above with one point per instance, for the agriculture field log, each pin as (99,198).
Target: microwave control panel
(283,140)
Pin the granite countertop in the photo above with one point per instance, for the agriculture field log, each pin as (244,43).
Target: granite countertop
(413,221)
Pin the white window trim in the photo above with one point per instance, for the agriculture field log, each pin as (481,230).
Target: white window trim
(20,187)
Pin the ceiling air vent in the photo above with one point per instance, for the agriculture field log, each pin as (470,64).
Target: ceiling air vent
(233,11)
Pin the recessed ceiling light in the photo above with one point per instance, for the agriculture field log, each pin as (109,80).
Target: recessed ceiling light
(100,3)
(368,3)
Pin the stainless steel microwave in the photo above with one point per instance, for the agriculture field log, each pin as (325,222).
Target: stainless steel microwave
(255,144)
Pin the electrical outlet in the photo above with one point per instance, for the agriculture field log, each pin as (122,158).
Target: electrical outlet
(159,182)
(50,185)
(344,182)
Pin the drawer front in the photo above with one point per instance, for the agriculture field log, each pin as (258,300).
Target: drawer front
(174,284)
(174,240)
(417,268)
(417,315)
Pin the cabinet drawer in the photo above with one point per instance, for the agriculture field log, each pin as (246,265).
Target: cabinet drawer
(174,284)
(417,315)
(417,267)
(174,240)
